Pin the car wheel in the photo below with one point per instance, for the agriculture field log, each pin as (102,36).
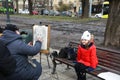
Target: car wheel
(96,16)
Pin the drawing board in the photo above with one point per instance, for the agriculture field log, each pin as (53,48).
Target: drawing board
(43,32)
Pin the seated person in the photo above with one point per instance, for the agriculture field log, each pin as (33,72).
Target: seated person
(86,56)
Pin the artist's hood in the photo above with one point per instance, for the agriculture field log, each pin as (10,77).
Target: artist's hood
(9,36)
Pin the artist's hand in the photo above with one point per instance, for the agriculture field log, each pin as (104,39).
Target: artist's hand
(30,43)
(39,39)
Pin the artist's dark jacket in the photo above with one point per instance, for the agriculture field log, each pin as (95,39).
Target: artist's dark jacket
(7,62)
(20,51)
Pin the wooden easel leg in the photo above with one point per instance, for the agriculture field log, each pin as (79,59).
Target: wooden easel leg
(40,57)
(48,60)
(47,55)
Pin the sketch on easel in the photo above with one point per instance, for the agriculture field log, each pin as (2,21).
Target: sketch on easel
(42,32)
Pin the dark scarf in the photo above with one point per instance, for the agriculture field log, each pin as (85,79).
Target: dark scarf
(86,46)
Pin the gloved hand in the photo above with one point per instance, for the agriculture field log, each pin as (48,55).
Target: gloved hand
(90,69)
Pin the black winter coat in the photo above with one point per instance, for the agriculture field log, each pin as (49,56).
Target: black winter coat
(7,62)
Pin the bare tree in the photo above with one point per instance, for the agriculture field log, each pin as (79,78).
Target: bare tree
(24,4)
(30,3)
(112,33)
(16,2)
(85,8)
(51,4)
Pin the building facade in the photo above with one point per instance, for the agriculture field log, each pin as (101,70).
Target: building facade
(75,4)
(51,4)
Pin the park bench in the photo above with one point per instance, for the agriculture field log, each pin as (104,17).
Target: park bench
(109,61)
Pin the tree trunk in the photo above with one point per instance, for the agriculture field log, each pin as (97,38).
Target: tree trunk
(112,33)
(85,8)
(24,4)
(16,1)
(30,6)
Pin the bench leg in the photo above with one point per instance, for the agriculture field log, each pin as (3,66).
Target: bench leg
(82,76)
(54,66)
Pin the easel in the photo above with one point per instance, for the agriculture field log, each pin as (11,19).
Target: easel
(46,52)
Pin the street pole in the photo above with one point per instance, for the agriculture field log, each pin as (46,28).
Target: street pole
(7,12)
(90,7)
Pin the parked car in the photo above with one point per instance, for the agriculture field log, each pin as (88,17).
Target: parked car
(45,12)
(99,15)
(54,13)
(66,13)
(26,11)
(34,12)
(20,11)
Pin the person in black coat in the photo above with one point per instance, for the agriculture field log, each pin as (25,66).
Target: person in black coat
(7,62)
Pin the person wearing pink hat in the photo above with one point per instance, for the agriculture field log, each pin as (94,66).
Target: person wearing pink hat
(86,56)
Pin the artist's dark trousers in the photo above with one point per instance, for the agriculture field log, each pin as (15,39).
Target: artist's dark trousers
(80,71)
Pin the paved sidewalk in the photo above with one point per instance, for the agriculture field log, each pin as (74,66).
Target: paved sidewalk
(62,73)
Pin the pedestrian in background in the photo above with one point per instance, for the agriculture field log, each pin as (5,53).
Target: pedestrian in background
(1,31)
(25,70)
(86,56)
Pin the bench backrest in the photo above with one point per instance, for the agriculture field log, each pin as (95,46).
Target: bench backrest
(107,58)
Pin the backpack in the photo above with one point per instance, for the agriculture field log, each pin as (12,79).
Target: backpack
(63,52)
(68,53)
(71,53)
(7,62)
